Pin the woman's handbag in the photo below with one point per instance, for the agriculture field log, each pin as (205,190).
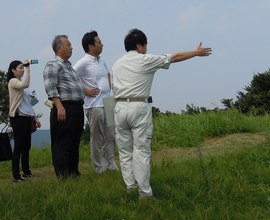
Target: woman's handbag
(33,125)
(5,147)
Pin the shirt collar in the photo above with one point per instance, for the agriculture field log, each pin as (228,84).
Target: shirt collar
(92,57)
(61,60)
(133,51)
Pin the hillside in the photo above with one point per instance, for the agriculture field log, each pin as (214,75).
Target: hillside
(214,146)
(223,178)
(210,147)
(41,138)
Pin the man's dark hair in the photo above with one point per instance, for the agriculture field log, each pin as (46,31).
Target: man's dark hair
(57,41)
(89,39)
(134,37)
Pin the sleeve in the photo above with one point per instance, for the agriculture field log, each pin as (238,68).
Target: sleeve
(17,84)
(79,68)
(50,76)
(106,67)
(167,61)
(155,62)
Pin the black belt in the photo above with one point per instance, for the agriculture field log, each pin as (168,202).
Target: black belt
(73,102)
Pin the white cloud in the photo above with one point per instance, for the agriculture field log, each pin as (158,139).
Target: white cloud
(51,6)
(191,15)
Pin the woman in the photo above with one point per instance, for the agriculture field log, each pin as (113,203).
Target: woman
(20,113)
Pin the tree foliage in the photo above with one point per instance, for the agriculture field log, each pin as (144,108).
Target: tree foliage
(156,112)
(228,103)
(4,98)
(255,99)
(193,110)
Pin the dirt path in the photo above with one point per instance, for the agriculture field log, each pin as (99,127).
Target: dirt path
(214,146)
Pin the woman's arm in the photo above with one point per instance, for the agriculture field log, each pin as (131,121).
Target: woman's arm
(17,84)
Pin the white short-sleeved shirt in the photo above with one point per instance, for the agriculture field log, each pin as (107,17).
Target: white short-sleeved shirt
(93,74)
(132,74)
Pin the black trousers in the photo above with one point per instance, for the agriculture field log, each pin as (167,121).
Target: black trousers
(21,126)
(65,140)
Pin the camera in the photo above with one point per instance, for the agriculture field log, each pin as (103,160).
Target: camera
(30,62)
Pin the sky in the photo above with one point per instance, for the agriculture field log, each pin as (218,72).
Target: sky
(238,32)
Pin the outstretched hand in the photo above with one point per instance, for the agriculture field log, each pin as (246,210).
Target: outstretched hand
(203,51)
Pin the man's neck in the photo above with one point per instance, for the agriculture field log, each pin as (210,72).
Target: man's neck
(94,55)
(65,59)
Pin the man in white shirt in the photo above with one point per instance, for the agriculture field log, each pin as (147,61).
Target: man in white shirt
(132,77)
(95,79)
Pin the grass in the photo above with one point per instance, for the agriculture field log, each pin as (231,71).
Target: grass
(224,177)
(189,130)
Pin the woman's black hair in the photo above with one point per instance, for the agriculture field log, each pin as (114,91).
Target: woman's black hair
(12,65)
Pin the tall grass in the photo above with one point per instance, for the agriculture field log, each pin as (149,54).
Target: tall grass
(189,130)
(238,189)
(237,186)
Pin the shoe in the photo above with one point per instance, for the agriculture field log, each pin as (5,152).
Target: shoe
(28,175)
(132,189)
(75,175)
(101,170)
(20,179)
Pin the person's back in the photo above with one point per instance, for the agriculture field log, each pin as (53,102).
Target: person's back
(134,72)
(132,77)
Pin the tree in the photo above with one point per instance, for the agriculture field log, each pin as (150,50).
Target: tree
(155,112)
(193,110)
(4,98)
(256,97)
(228,103)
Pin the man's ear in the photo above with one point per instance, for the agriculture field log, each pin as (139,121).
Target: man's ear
(58,48)
(139,48)
(90,46)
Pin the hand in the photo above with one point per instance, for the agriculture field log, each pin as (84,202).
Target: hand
(92,92)
(26,63)
(203,51)
(38,124)
(61,114)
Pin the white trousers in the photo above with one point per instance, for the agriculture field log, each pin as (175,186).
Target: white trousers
(102,141)
(134,130)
